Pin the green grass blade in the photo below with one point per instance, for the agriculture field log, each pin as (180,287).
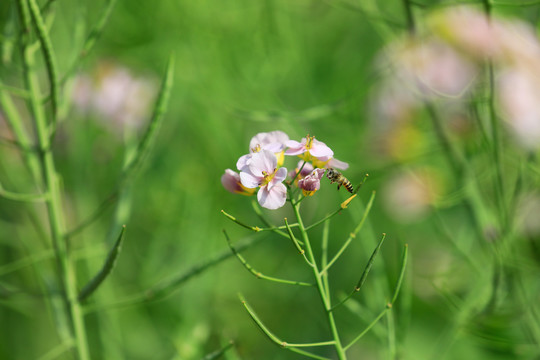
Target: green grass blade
(107,268)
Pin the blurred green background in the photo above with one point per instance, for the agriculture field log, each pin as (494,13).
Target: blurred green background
(244,67)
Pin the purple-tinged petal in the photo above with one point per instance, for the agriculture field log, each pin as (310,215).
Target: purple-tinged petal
(318,173)
(274,198)
(230,181)
(249,180)
(311,183)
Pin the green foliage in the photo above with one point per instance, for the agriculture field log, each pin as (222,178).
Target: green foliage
(68,183)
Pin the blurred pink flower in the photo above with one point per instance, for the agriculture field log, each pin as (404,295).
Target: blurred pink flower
(519,101)
(409,196)
(393,103)
(262,171)
(231,182)
(312,182)
(118,98)
(466,28)
(430,67)
(505,41)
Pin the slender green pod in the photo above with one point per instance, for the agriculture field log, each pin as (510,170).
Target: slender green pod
(106,269)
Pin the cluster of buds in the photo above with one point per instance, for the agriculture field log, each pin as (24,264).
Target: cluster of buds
(261,171)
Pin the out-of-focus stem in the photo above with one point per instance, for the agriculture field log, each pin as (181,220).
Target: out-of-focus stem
(52,186)
(411,26)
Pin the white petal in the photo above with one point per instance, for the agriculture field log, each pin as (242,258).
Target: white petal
(274,198)
(249,180)
(243,162)
(263,161)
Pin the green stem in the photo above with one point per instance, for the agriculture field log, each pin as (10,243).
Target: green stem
(52,186)
(320,286)
(49,56)
(499,184)
(256,273)
(278,341)
(363,278)
(397,288)
(21,197)
(352,235)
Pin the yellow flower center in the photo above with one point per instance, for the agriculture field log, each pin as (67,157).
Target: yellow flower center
(309,142)
(268,177)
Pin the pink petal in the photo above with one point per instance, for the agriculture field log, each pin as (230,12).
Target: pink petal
(295,148)
(320,149)
(318,173)
(337,164)
(274,198)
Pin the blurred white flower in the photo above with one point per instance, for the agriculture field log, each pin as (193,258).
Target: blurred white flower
(83,90)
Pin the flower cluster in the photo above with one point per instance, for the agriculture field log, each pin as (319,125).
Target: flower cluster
(262,168)
(445,62)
